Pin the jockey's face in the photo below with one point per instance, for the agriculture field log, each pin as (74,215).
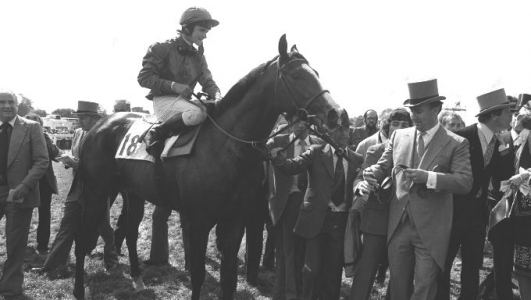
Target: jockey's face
(199,34)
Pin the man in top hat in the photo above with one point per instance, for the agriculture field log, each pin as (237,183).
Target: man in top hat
(23,161)
(323,214)
(429,164)
(88,115)
(487,152)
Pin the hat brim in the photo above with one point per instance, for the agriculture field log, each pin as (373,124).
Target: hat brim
(407,103)
(495,107)
(87,113)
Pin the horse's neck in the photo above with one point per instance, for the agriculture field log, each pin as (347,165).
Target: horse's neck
(254,116)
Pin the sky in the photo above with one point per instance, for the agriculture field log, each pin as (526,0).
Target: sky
(58,52)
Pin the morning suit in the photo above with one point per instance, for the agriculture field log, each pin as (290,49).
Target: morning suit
(470,213)
(26,162)
(284,205)
(321,222)
(73,217)
(420,219)
(374,224)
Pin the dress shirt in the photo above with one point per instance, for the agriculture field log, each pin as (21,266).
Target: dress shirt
(296,152)
(12,122)
(429,134)
(516,138)
(485,136)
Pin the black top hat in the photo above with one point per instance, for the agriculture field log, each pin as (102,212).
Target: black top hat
(423,92)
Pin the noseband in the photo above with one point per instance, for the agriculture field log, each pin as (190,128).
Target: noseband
(302,112)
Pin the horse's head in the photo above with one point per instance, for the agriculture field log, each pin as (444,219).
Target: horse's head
(299,90)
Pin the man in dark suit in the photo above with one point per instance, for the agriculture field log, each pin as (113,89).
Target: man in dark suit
(323,213)
(286,196)
(470,210)
(23,162)
(429,164)
(358,134)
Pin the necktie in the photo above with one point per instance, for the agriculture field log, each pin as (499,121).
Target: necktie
(302,180)
(338,196)
(489,151)
(421,148)
(4,149)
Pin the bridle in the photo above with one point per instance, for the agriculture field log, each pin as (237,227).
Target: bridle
(302,113)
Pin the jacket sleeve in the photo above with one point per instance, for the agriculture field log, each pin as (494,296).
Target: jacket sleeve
(298,164)
(39,156)
(385,164)
(206,80)
(152,66)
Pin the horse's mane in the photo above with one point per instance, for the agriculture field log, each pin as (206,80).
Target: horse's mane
(236,92)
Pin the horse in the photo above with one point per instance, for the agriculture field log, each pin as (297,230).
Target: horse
(214,184)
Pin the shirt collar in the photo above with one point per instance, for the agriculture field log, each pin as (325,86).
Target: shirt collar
(487,133)
(433,130)
(12,122)
(307,139)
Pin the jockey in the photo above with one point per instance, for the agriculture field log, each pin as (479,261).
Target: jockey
(171,70)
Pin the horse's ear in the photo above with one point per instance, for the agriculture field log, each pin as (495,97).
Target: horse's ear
(283,47)
(294,49)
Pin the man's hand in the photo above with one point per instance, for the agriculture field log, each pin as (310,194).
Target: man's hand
(416,175)
(279,156)
(182,89)
(518,179)
(21,191)
(365,188)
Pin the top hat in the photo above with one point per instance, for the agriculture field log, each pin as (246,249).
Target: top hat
(522,100)
(87,108)
(493,101)
(423,92)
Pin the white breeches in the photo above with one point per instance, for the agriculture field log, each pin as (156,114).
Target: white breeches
(166,106)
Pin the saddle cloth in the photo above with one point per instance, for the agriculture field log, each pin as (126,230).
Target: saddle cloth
(133,148)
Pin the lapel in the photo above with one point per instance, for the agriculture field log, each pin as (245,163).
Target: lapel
(328,160)
(475,147)
(17,137)
(409,139)
(290,152)
(437,143)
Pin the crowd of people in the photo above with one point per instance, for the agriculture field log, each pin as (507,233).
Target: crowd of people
(406,191)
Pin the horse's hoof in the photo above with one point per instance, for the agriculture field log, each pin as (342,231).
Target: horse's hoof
(138,283)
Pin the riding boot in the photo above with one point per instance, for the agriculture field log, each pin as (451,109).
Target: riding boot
(155,137)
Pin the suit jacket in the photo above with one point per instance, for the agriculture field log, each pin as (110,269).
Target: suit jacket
(279,183)
(448,155)
(53,152)
(319,163)
(468,208)
(75,193)
(358,134)
(27,159)
(364,145)
(374,215)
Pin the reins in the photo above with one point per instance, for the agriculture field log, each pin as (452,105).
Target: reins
(302,113)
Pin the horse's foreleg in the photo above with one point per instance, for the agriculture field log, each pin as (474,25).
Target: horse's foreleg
(134,217)
(198,232)
(232,233)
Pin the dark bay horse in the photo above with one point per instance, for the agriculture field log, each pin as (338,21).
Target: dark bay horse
(214,185)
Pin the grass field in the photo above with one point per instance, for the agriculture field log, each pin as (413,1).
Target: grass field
(166,282)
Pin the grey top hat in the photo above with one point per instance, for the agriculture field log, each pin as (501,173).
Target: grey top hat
(87,108)
(493,101)
(423,92)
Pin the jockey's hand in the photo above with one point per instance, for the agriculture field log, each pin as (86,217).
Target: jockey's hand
(518,179)
(416,175)
(279,156)
(182,89)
